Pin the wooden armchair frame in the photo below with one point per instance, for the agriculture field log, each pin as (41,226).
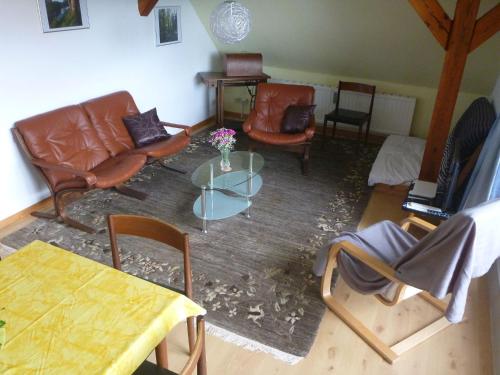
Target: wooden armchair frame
(389,353)
(151,228)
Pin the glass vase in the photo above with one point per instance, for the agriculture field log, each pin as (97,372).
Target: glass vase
(225,164)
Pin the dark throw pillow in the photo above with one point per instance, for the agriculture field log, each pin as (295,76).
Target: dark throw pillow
(145,128)
(297,118)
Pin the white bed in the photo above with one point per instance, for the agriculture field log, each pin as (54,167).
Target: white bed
(398,161)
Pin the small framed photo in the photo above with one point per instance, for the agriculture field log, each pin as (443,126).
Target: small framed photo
(168,25)
(61,15)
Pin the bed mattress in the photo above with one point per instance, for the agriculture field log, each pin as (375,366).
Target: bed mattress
(398,161)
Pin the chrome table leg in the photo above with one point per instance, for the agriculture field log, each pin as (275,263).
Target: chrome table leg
(249,193)
(204,208)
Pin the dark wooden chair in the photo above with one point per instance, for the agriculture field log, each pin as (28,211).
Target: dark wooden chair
(165,233)
(350,117)
(196,358)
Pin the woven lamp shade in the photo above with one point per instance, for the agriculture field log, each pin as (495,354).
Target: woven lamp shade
(230,22)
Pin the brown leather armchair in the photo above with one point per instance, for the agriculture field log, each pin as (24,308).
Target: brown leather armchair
(263,125)
(106,113)
(65,148)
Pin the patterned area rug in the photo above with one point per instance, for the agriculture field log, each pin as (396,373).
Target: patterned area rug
(252,275)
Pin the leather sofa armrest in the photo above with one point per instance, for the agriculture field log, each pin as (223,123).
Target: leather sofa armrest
(187,129)
(89,177)
(311,129)
(247,125)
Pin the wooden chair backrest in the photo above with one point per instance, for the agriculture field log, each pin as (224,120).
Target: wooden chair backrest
(356,87)
(154,229)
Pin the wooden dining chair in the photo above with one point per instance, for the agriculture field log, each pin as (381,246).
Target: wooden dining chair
(399,292)
(351,117)
(196,358)
(165,233)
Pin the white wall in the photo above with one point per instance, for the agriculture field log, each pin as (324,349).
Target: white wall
(40,72)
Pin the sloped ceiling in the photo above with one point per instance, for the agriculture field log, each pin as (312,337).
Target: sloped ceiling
(374,39)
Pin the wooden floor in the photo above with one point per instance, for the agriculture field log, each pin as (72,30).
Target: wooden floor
(460,349)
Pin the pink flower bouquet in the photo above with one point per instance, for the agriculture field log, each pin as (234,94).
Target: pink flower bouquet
(223,139)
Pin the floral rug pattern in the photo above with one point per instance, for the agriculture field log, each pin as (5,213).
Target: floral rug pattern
(252,275)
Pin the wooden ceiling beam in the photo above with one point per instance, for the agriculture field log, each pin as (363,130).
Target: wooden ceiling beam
(451,76)
(486,26)
(436,19)
(146,6)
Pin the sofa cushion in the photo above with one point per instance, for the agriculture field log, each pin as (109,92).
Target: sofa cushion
(65,137)
(116,170)
(145,128)
(106,114)
(111,172)
(296,118)
(170,146)
(277,138)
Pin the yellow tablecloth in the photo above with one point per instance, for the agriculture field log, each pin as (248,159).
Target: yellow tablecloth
(66,314)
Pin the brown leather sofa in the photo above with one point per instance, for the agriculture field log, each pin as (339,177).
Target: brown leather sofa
(106,113)
(263,125)
(82,147)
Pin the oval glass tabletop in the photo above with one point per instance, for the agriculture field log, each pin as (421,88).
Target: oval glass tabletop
(241,161)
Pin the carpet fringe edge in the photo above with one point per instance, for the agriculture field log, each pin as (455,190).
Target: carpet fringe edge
(250,344)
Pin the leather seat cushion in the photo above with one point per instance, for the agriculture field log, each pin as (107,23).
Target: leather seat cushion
(277,138)
(117,170)
(106,114)
(170,146)
(109,173)
(348,116)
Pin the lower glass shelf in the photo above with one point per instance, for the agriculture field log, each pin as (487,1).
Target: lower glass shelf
(221,206)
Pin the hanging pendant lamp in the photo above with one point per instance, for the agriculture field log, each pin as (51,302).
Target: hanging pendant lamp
(230,22)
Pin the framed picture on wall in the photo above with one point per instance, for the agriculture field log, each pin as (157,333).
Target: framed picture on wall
(61,15)
(168,25)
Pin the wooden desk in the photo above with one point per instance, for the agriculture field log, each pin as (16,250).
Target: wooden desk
(219,80)
(66,314)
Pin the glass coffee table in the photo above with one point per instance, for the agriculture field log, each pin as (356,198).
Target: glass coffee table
(226,194)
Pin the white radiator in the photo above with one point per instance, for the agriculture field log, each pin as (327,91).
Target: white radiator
(392,114)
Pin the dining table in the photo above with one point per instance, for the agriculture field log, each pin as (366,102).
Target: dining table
(66,314)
